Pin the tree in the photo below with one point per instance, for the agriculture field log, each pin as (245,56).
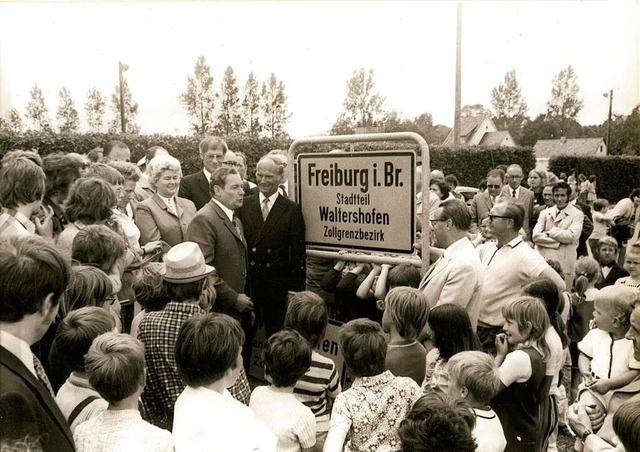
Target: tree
(14,121)
(475,110)
(230,120)
(199,98)
(251,106)
(67,115)
(274,106)
(362,106)
(564,102)
(95,107)
(630,136)
(508,103)
(130,110)
(546,128)
(37,110)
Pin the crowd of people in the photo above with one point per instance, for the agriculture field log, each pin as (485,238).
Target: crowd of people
(523,284)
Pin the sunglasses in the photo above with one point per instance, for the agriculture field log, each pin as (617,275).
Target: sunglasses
(493,217)
(494,186)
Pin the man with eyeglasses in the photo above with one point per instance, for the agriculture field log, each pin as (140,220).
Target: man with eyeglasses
(522,194)
(557,232)
(508,264)
(280,156)
(482,203)
(457,276)
(195,187)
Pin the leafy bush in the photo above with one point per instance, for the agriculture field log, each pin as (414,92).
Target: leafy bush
(616,175)
(468,164)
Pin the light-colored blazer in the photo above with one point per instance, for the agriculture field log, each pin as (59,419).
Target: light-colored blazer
(526,197)
(156,222)
(556,236)
(456,277)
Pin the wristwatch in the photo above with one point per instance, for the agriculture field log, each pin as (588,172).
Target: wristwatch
(585,434)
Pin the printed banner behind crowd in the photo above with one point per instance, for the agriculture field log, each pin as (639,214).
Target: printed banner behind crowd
(363,201)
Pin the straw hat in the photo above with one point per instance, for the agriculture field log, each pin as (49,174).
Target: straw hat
(185,263)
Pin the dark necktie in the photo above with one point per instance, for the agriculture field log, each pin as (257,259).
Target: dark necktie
(513,194)
(42,375)
(283,188)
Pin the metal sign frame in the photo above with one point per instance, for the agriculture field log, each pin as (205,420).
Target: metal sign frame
(365,138)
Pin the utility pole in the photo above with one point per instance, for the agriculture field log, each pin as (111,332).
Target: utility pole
(610,96)
(122,68)
(456,119)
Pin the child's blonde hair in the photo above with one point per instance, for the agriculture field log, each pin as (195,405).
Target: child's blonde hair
(408,309)
(530,314)
(620,299)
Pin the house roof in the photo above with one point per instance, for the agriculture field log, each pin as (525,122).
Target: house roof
(570,146)
(467,125)
(495,138)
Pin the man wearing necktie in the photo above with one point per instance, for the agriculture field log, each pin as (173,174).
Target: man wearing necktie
(220,237)
(275,233)
(521,194)
(33,276)
(457,276)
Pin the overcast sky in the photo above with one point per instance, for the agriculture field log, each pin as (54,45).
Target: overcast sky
(314,47)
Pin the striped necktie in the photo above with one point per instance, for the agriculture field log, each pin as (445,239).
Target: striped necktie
(42,375)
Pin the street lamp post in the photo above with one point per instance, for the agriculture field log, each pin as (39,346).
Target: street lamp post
(121,68)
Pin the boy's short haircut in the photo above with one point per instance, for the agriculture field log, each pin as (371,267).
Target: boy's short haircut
(207,346)
(30,269)
(106,173)
(77,331)
(128,170)
(477,372)
(364,347)
(98,245)
(115,365)
(307,314)
(185,291)
(90,200)
(404,275)
(287,357)
(88,287)
(21,182)
(113,144)
(621,299)
(149,289)
(608,241)
(409,310)
(436,423)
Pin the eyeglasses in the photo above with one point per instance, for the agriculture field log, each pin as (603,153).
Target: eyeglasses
(494,186)
(493,217)
(514,177)
(435,220)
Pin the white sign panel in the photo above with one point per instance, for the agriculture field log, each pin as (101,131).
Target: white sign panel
(362,201)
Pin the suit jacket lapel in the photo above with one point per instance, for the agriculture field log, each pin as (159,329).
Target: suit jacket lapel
(156,197)
(17,367)
(228,223)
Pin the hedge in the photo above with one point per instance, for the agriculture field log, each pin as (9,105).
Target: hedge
(616,175)
(469,165)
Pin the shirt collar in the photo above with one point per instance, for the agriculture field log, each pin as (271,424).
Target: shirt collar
(457,244)
(207,174)
(167,201)
(189,308)
(24,221)
(228,212)
(374,381)
(272,198)
(19,348)
(515,241)
(511,191)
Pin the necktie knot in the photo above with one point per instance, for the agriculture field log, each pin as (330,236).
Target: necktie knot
(513,193)
(265,208)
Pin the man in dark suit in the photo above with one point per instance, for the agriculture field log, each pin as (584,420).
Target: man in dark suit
(33,276)
(514,190)
(274,229)
(219,235)
(195,187)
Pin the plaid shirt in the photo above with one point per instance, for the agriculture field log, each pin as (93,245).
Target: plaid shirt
(15,225)
(158,332)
